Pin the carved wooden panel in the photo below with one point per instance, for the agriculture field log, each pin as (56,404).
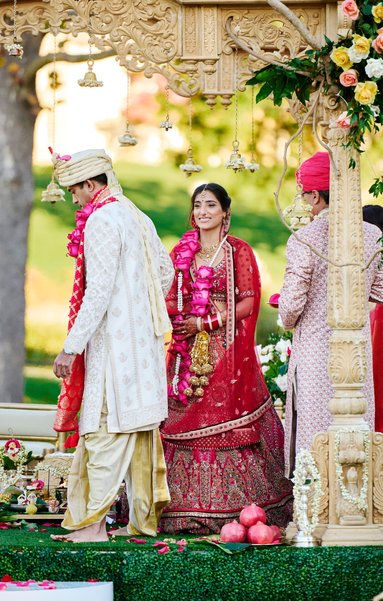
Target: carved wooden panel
(186,42)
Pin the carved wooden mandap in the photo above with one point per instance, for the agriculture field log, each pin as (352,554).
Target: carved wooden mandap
(191,43)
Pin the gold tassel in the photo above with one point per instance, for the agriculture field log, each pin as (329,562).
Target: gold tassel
(201,365)
(53,193)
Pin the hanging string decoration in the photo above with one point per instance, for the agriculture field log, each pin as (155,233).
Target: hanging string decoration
(15,49)
(127,139)
(90,79)
(252,165)
(190,166)
(298,214)
(236,162)
(166,124)
(53,193)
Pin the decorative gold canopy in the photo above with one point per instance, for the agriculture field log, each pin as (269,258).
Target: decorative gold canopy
(183,40)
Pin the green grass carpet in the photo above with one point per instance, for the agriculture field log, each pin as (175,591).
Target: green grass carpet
(200,573)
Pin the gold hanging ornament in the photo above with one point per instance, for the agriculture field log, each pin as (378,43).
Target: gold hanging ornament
(298,214)
(90,79)
(167,124)
(53,193)
(201,365)
(190,167)
(252,165)
(236,162)
(15,49)
(127,138)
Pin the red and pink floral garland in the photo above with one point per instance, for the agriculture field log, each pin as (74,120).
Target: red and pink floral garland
(185,252)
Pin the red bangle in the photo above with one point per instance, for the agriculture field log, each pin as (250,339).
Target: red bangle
(210,323)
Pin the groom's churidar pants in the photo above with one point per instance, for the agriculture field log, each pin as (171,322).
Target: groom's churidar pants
(101,462)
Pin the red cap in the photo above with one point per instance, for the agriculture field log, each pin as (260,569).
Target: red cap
(314,174)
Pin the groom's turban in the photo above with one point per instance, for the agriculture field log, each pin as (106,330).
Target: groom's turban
(73,169)
(314,173)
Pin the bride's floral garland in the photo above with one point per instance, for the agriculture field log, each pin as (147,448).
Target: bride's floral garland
(185,252)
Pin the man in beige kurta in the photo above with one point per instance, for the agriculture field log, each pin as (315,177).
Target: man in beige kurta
(120,326)
(303,306)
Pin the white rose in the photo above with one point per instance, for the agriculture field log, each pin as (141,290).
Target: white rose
(375,109)
(355,56)
(374,68)
(281,382)
(283,347)
(264,369)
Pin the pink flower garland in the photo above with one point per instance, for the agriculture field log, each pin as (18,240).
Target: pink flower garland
(184,254)
(82,216)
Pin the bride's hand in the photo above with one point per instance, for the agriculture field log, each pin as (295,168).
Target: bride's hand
(185,328)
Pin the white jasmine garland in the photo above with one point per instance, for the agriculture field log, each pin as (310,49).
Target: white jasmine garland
(374,68)
(305,470)
(359,500)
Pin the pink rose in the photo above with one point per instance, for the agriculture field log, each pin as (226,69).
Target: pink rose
(205,272)
(350,9)
(201,297)
(75,236)
(184,257)
(72,249)
(349,78)
(344,121)
(274,300)
(377,44)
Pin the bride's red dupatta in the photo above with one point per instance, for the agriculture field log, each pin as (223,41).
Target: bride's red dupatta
(72,388)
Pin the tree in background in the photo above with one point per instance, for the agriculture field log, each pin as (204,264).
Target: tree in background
(19,108)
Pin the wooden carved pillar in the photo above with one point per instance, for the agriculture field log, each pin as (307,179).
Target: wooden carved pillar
(344,454)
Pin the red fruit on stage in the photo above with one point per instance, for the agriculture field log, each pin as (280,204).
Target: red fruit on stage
(276,533)
(233,533)
(252,514)
(260,534)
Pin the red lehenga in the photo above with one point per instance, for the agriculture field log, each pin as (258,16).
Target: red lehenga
(225,450)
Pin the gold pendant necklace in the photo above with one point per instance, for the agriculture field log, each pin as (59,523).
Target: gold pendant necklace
(208,251)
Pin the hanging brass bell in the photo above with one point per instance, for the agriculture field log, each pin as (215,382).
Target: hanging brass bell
(53,193)
(90,79)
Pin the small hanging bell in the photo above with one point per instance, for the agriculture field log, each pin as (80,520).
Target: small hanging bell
(166,125)
(252,166)
(15,49)
(190,166)
(90,79)
(53,193)
(127,139)
(236,161)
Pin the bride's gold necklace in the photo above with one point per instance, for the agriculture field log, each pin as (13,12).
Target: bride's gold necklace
(207,252)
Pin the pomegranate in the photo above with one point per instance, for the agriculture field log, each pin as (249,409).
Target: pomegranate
(276,533)
(252,514)
(233,532)
(260,534)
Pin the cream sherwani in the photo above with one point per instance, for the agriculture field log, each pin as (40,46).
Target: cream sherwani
(303,306)
(125,394)
(124,357)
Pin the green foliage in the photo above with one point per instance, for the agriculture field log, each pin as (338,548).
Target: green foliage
(301,76)
(200,574)
(376,189)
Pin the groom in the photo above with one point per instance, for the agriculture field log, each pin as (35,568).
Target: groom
(118,317)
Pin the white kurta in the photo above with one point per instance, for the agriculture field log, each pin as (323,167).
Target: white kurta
(303,306)
(124,358)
